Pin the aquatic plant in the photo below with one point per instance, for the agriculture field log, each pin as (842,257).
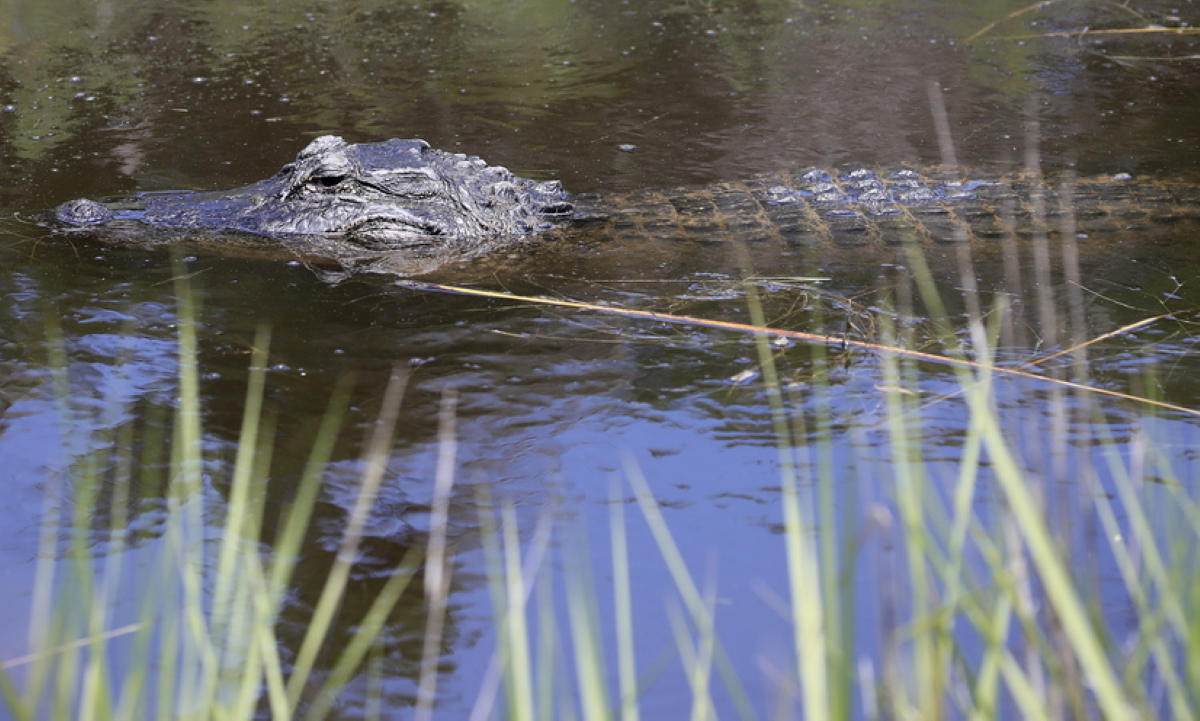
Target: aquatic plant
(990,610)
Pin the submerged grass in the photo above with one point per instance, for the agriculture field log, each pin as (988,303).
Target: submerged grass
(993,611)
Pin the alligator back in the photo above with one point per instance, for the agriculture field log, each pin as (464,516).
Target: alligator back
(862,207)
(403,207)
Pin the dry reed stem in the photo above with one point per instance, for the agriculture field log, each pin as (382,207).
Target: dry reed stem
(803,336)
(1038,6)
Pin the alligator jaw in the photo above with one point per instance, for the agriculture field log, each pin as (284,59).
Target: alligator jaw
(392,233)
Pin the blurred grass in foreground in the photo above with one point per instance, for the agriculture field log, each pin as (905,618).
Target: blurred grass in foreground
(203,643)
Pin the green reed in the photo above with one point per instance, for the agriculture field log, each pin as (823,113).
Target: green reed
(202,643)
(1003,574)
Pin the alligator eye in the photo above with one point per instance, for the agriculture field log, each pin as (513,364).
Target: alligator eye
(328,181)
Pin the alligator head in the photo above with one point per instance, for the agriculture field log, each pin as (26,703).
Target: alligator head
(389,196)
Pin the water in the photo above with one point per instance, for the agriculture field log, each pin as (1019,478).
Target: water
(121,97)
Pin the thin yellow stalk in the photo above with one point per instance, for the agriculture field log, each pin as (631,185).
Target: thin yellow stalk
(1084,33)
(701,669)
(994,626)
(267,644)
(1010,16)
(168,637)
(83,579)
(68,667)
(1045,3)
(247,661)
(87,642)
(287,545)
(133,705)
(96,699)
(1140,528)
(263,667)
(931,648)
(838,342)
(1179,582)
(1078,348)
(117,548)
(237,692)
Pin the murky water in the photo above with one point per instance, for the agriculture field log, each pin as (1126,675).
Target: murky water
(114,97)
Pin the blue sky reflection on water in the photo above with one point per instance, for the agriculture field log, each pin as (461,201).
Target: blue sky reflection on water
(607,97)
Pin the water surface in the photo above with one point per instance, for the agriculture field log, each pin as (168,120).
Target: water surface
(117,97)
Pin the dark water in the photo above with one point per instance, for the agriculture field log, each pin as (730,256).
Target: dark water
(116,97)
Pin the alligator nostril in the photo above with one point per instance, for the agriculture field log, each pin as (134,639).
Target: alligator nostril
(561,208)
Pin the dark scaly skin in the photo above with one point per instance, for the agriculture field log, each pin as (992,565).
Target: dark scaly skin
(401,206)
(863,207)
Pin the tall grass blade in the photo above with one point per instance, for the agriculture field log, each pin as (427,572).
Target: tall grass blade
(810,621)
(1052,571)
(335,584)
(184,540)
(499,670)
(437,571)
(240,501)
(518,662)
(623,605)
(549,648)
(365,637)
(585,629)
(299,511)
(684,584)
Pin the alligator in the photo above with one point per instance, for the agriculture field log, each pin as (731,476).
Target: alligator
(359,204)
(347,203)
